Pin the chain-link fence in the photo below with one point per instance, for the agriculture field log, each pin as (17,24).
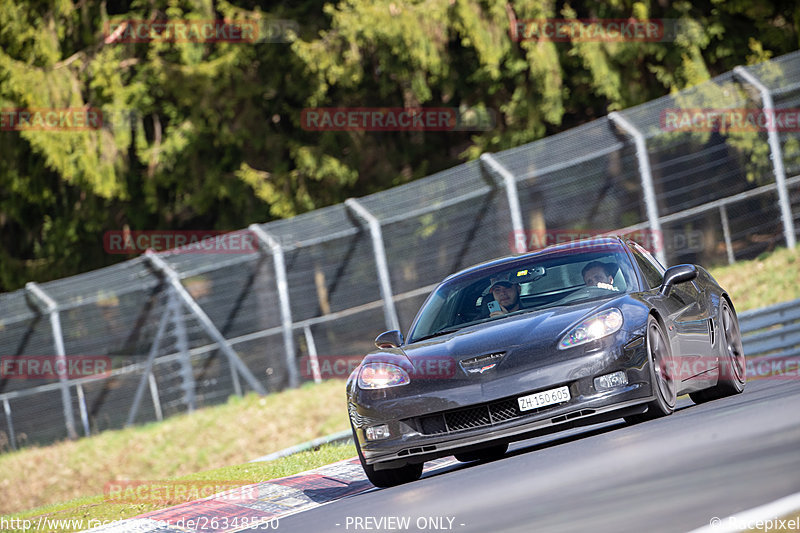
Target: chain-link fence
(184,330)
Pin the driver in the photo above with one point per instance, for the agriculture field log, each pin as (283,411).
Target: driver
(506,293)
(598,274)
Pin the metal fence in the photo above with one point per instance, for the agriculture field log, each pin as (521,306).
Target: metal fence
(185,330)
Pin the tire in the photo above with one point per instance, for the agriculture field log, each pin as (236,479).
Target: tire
(390,477)
(732,364)
(662,380)
(484,454)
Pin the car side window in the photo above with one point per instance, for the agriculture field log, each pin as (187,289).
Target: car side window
(652,273)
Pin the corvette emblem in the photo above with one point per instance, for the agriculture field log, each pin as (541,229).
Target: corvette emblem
(481,363)
(481,370)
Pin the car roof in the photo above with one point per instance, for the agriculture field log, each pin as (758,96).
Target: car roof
(574,246)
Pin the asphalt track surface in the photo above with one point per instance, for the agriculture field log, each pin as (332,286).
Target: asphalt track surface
(672,474)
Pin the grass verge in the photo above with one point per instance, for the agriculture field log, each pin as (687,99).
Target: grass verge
(769,279)
(91,511)
(212,437)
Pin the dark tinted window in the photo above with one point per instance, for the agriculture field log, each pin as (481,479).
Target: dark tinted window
(652,272)
(542,280)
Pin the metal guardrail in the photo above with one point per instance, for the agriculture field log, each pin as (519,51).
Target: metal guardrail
(772,331)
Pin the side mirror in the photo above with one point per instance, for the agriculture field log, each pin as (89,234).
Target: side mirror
(389,339)
(677,274)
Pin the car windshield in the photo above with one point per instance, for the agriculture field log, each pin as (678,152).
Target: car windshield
(548,280)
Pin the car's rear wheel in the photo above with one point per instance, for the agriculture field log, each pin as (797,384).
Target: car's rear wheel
(484,454)
(389,477)
(662,374)
(732,364)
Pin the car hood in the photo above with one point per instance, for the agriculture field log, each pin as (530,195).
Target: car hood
(529,339)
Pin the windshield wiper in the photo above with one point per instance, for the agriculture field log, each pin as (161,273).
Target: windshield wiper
(437,334)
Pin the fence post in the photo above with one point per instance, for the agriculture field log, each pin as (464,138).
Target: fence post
(775,153)
(51,308)
(233,358)
(137,398)
(12,439)
(312,354)
(726,232)
(646,176)
(494,166)
(84,411)
(283,295)
(389,311)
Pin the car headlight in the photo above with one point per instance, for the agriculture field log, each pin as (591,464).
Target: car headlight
(593,328)
(381,376)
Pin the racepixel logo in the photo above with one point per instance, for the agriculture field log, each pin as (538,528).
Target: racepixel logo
(189,241)
(51,119)
(730,120)
(397,119)
(54,366)
(593,30)
(170,492)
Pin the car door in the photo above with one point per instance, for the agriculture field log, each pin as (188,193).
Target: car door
(687,312)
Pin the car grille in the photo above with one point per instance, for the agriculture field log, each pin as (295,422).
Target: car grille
(482,415)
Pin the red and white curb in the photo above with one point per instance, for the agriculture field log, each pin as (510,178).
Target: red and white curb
(275,499)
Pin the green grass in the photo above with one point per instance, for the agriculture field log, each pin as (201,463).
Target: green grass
(209,438)
(767,280)
(95,508)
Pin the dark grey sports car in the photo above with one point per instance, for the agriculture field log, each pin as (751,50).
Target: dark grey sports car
(570,335)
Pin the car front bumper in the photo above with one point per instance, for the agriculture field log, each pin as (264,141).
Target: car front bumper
(408,416)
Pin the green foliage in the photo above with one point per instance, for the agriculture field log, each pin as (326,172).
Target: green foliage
(208,135)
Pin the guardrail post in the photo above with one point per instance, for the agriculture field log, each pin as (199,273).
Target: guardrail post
(775,153)
(51,308)
(726,232)
(283,295)
(389,311)
(12,439)
(233,358)
(646,176)
(493,165)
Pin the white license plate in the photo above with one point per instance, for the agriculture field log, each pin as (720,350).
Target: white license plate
(543,399)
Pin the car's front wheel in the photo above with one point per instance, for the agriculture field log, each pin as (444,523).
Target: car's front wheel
(389,477)
(662,374)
